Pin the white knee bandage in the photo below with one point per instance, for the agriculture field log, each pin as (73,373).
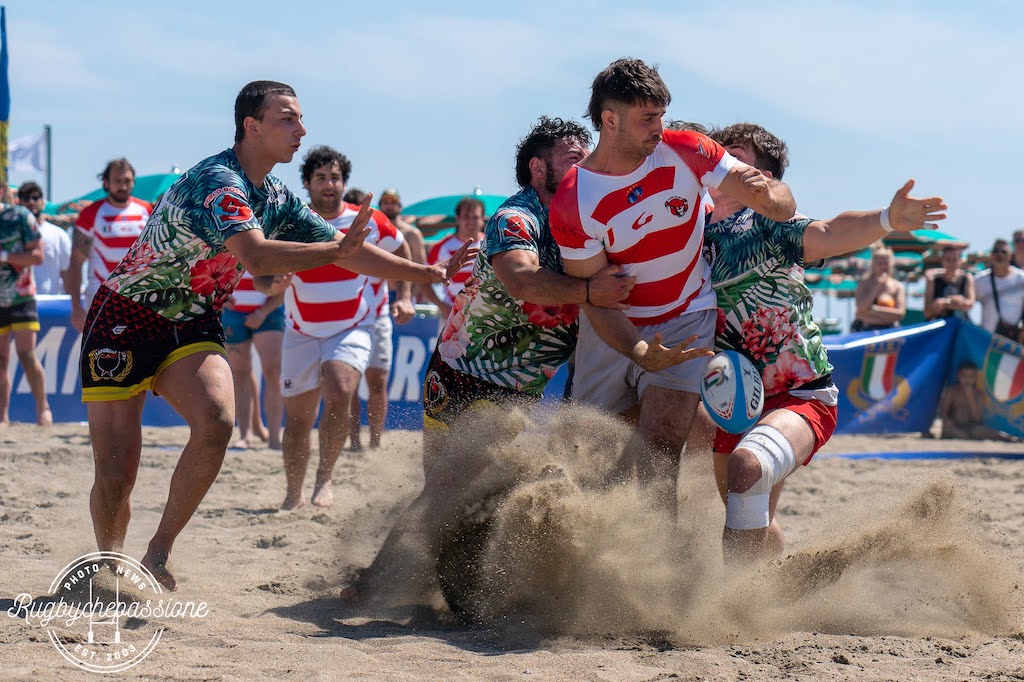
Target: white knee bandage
(749,510)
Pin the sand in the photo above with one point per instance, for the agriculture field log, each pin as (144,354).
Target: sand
(896,570)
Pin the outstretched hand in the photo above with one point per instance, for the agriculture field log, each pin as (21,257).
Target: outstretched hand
(907,213)
(657,357)
(446,269)
(353,240)
(609,287)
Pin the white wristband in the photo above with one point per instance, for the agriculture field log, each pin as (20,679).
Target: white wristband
(3,256)
(884,219)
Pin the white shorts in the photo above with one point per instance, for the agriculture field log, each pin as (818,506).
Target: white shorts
(380,350)
(302,357)
(609,380)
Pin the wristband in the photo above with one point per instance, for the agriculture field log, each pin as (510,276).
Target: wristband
(884,219)
(588,289)
(3,256)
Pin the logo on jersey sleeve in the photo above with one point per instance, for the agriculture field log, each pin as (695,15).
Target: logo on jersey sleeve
(230,207)
(514,227)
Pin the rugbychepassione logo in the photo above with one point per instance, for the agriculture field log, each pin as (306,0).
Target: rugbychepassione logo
(1003,371)
(878,384)
(103,612)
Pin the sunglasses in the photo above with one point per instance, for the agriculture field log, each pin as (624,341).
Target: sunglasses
(1002,252)
(34,197)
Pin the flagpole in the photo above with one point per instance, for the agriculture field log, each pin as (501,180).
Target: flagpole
(48,134)
(5,100)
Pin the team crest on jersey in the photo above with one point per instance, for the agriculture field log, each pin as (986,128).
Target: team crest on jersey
(435,395)
(878,386)
(1003,371)
(677,206)
(514,227)
(106,363)
(634,195)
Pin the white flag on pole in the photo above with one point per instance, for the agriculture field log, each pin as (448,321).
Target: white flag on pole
(27,153)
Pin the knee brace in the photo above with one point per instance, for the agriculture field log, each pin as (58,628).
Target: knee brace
(749,510)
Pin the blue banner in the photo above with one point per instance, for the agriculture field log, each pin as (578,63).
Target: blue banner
(1000,375)
(890,381)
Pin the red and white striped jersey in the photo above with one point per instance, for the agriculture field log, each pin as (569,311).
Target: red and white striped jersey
(377,292)
(444,250)
(328,300)
(650,221)
(113,230)
(246,298)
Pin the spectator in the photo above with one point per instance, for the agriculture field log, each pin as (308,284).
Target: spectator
(104,232)
(354,196)
(469,227)
(949,292)
(20,249)
(1002,305)
(960,407)
(881,298)
(56,243)
(1018,250)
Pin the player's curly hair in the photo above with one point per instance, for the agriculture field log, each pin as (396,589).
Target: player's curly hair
(626,81)
(539,142)
(322,155)
(770,153)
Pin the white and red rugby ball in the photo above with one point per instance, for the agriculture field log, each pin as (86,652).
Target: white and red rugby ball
(732,392)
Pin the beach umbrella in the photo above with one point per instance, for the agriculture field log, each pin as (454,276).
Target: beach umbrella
(147,187)
(435,217)
(920,240)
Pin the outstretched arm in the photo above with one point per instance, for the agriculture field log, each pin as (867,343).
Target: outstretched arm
(854,230)
(520,271)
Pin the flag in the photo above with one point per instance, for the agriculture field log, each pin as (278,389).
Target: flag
(28,154)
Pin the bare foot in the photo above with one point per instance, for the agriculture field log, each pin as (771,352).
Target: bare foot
(45,418)
(274,443)
(323,496)
(292,503)
(260,431)
(157,565)
(356,446)
(242,443)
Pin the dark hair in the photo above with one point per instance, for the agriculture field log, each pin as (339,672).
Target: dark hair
(354,196)
(115,166)
(967,364)
(688,125)
(466,202)
(28,188)
(1000,242)
(541,139)
(252,101)
(626,81)
(770,153)
(322,155)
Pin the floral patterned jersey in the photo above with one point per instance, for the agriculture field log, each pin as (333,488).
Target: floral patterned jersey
(17,229)
(496,337)
(764,307)
(178,267)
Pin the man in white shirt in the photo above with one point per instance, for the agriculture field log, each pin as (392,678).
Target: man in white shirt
(56,243)
(1004,302)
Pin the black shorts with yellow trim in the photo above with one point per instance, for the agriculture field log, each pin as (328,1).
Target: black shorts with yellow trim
(127,345)
(449,393)
(19,316)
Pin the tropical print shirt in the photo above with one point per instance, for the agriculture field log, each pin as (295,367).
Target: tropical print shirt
(178,267)
(764,306)
(498,338)
(17,230)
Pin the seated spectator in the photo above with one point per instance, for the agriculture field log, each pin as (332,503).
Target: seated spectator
(881,298)
(960,407)
(1002,303)
(949,292)
(56,243)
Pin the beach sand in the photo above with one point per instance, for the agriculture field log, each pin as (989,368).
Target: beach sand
(897,570)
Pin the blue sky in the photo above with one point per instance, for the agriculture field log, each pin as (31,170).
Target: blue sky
(433,97)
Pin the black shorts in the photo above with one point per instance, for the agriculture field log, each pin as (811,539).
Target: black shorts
(126,345)
(448,393)
(19,316)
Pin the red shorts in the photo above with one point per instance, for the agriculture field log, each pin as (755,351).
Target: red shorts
(819,416)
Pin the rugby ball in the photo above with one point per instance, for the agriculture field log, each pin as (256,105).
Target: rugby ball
(732,392)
